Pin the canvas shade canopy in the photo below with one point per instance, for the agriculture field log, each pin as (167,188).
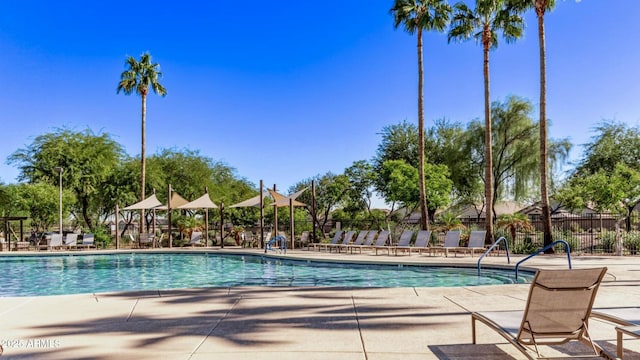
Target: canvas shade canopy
(151,202)
(176,202)
(203,202)
(253,202)
(282,201)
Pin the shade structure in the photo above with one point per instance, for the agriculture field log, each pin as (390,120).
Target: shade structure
(176,202)
(283,201)
(151,202)
(286,201)
(203,202)
(253,202)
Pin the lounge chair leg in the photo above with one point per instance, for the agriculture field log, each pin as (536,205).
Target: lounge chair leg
(473,330)
(619,347)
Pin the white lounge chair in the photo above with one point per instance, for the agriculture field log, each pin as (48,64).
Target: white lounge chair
(87,241)
(196,239)
(628,319)
(71,240)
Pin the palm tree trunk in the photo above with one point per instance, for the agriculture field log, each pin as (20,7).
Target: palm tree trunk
(544,189)
(424,218)
(488,158)
(143,158)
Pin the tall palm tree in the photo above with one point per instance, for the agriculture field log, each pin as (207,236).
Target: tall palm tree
(139,77)
(483,23)
(541,7)
(416,16)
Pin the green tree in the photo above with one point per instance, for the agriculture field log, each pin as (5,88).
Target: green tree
(514,134)
(484,22)
(87,159)
(613,142)
(541,7)
(514,222)
(617,191)
(416,16)
(401,179)
(40,200)
(361,184)
(449,143)
(139,77)
(330,191)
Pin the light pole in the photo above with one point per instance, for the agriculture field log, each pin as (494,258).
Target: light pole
(59,169)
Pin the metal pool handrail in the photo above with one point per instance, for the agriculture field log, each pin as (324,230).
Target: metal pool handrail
(506,244)
(567,249)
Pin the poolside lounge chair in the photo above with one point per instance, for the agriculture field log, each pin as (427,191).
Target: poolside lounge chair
(196,239)
(403,243)
(451,242)
(55,242)
(557,311)
(348,237)
(303,240)
(87,241)
(362,235)
(476,242)
(71,240)
(335,240)
(422,241)
(628,319)
(147,240)
(368,241)
(381,242)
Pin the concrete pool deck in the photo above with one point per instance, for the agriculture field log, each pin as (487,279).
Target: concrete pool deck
(289,323)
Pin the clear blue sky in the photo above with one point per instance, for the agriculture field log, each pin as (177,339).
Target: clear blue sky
(284,91)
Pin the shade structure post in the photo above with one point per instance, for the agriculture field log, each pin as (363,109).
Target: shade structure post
(206,220)
(275,216)
(291,224)
(261,216)
(313,209)
(206,227)
(169,215)
(117,229)
(222,225)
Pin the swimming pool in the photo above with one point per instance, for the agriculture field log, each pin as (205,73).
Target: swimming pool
(76,274)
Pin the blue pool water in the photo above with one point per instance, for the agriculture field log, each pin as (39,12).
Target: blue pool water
(75,274)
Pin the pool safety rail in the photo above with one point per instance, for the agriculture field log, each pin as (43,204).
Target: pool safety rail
(277,243)
(567,249)
(493,246)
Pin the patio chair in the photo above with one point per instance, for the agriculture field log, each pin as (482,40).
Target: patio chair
(196,239)
(368,241)
(335,240)
(71,241)
(628,319)
(403,243)
(147,240)
(381,242)
(303,240)
(87,241)
(451,242)
(422,241)
(362,235)
(476,242)
(557,311)
(55,242)
(348,238)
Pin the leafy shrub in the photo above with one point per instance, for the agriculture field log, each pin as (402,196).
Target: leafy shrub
(631,241)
